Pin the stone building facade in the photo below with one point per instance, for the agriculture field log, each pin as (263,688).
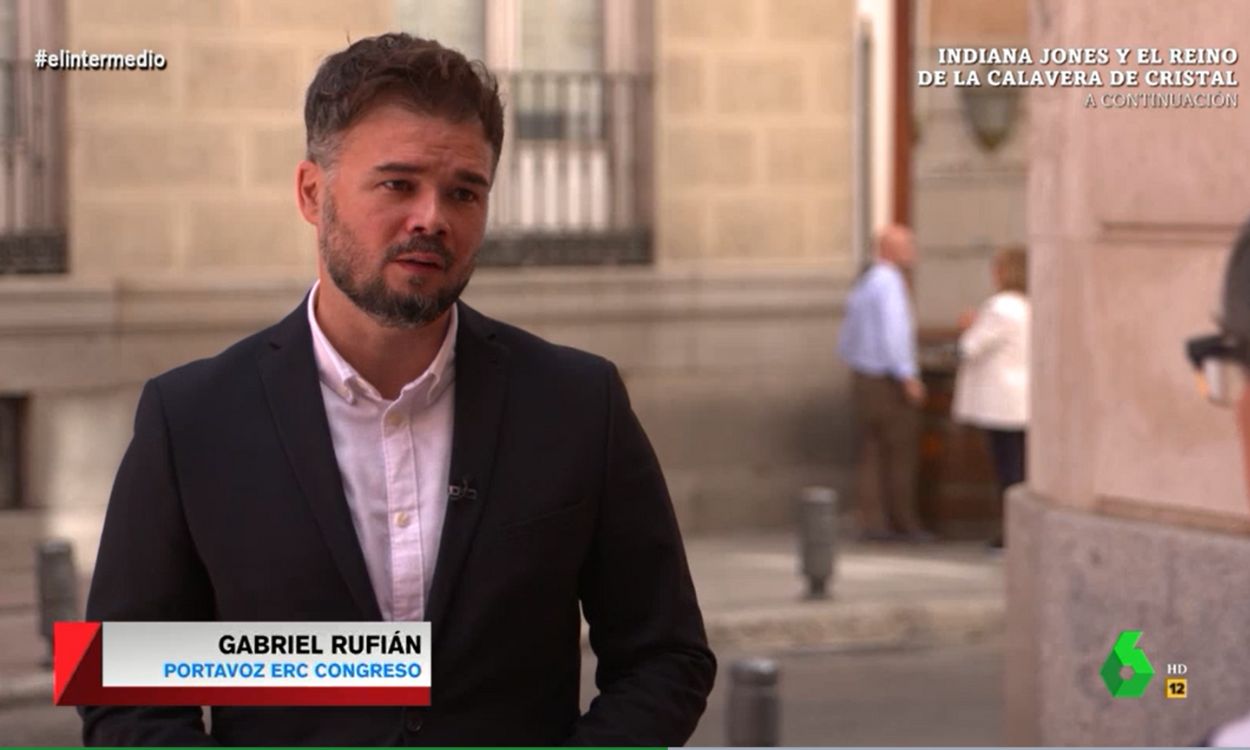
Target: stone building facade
(183,236)
(968,195)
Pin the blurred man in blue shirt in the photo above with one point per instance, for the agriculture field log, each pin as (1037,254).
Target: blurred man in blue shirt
(878,342)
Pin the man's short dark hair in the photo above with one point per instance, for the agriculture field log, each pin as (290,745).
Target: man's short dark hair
(1235,317)
(413,72)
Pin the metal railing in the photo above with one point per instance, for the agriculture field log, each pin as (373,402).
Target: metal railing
(32,169)
(574,185)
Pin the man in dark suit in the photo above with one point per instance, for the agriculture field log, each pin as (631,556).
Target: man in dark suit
(386,452)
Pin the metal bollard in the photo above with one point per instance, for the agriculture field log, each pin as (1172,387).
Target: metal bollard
(754,711)
(817,538)
(58,587)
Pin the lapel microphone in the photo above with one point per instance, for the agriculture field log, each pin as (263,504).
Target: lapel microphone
(462,491)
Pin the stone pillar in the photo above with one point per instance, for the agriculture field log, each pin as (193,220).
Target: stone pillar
(1135,516)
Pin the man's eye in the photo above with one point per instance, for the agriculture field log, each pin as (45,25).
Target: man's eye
(464,195)
(399,185)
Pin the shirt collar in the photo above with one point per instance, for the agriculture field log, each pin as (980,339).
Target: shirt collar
(337,374)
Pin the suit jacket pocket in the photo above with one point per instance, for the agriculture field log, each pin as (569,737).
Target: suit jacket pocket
(558,519)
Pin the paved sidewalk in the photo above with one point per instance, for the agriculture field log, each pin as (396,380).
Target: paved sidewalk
(883,595)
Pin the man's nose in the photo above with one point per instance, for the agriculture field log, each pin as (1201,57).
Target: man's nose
(427,214)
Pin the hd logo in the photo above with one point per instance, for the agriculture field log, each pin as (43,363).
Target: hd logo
(1126,654)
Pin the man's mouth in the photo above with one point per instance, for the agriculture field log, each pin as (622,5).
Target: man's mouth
(420,260)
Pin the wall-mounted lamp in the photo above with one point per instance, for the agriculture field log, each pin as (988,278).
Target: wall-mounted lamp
(990,111)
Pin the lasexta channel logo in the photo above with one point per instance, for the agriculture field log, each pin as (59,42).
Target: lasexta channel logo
(1125,653)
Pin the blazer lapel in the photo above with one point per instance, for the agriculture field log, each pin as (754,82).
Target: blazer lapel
(289,373)
(481,377)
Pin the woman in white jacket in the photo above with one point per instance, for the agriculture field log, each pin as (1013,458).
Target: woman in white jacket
(992,387)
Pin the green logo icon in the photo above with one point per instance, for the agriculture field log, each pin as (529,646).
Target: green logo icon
(1125,653)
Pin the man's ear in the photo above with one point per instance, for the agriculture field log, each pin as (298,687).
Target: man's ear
(310,180)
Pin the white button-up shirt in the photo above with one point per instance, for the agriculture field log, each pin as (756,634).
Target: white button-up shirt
(394,457)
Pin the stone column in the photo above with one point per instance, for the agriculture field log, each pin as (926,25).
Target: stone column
(1135,514)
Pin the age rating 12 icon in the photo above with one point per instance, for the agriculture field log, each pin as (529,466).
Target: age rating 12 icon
(1176,687)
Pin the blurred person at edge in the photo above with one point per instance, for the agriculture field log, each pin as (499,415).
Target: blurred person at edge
(878,343)
(992,386)
(387,453)
(1222,363)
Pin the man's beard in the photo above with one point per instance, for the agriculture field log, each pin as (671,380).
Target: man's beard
(411,309)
